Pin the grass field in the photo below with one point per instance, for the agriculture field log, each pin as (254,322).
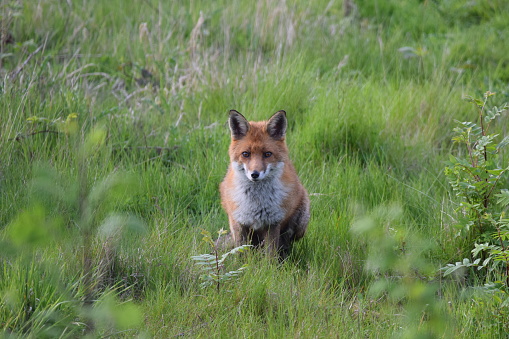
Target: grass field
(113,141)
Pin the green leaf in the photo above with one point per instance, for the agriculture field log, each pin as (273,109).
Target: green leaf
(204,257)
(5,55)
(503,143)
(408,52)
(363,225)
(503,197)
(459,139)
(484,141)
(452,159)
(119,224)
(115,187)
(469,127)
(94,141)
(33,228)
(480,247)
(128,315)
(450,268)
(239,249)
(468,98)
(109,313)
(479,102)
(486,261)
(496,172)
(221,232)
(49,186)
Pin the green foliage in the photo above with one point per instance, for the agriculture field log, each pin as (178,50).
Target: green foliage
(35,230)
(32,302)
(31,228)
(477,178)
(397,260)
(112,317)
(213,267)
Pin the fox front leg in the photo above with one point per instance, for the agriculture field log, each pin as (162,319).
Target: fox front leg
(237,233)
(272,239)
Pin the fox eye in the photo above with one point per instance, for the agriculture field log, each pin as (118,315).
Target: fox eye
(246,154)
(267,154)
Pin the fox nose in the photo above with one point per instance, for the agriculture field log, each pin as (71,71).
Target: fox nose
(255,174)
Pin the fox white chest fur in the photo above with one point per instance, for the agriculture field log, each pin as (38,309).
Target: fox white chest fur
(258,202)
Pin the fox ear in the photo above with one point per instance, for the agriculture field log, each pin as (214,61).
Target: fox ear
(277,125)
(239,126)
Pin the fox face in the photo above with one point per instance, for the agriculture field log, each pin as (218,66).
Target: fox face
(258,150)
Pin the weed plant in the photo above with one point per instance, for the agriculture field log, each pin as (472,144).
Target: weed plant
(213,266)
(479,180)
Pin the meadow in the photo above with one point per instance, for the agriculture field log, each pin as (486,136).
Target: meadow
(113,141)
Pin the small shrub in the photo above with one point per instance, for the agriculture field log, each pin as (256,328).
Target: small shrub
(397,259)
(213,267)
(477,178)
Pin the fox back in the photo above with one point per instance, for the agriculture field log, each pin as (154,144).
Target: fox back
(261,193)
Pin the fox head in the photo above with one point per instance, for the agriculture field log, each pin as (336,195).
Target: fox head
(258,149)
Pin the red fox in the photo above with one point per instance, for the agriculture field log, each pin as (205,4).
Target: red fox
(261,193)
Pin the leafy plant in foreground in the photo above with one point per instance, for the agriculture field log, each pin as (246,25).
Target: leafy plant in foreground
(213,266)
(396,257)
(478,179)
(60,200)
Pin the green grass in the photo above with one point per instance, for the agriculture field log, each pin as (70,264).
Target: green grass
(369,128)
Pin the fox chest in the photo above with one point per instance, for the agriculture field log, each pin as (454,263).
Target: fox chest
(259,204)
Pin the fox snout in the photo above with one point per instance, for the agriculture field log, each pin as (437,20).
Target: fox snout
(255,175)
